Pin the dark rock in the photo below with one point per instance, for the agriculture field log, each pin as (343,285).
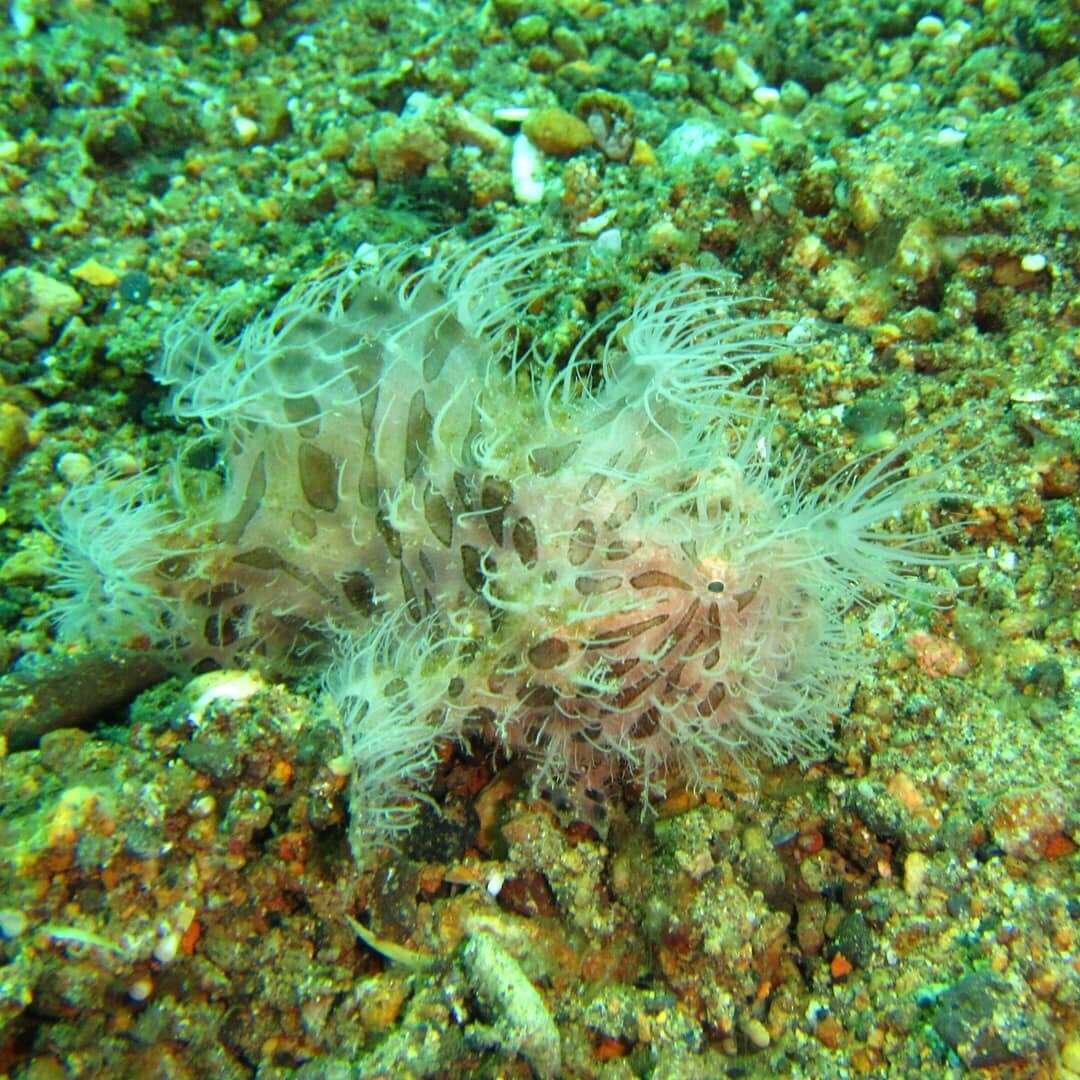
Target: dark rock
(982,1019)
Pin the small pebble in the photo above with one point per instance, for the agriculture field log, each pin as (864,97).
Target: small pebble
(750,145)
(1070,1055)
(881,621)
(167,947)
(213,686)
(526,171)
(555,131)
(793,96)
(123,463)
(95,273)
(915,867)
(203,807)
(756,1032)
(48,302)
(12,923)
(595,225)
(1034,263)
(950,136)
(246,129)
(74,467)
(746,75)
(608,243)
(135,287)
(530,29)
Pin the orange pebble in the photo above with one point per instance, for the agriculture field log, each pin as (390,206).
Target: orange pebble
(191,937)
(841,966)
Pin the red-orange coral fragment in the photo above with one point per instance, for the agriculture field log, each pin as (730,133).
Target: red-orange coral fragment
(938,656)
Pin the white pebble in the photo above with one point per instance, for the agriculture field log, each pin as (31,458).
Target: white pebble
(608,243)
(526,171)
(882,621)
(511,114)
(22,18)
(225,685)
(74,467)
(750,145)
(12,922)
(950,136)
(955,34)
(595,225)
(1034,263)
(203,807)
(766,96)
(417,104)
(246,129)
(746,75)
(167,947)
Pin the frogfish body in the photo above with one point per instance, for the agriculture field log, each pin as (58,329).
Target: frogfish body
(612,578)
